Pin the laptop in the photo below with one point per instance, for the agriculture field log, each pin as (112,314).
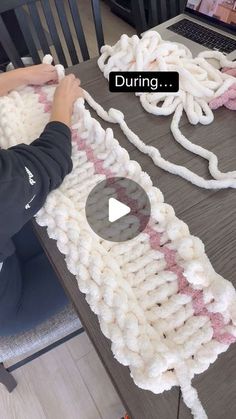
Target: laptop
(205,24)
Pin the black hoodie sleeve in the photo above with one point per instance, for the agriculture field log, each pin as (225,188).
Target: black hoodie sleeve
(27,174)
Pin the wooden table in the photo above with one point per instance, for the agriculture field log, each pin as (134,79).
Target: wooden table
(209,214)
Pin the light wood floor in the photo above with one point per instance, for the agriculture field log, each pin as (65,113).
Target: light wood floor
(69,382)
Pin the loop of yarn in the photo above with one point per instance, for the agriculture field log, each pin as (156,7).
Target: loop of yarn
(202,88)
(158,299)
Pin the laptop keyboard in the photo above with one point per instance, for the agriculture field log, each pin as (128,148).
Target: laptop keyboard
(204,36)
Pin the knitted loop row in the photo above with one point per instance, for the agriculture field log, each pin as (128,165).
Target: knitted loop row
(158,299)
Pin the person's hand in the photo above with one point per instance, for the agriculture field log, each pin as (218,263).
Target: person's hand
(40,74)
(36,75)
(66,93)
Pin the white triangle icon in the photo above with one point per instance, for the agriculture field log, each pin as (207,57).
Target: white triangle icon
(117,210)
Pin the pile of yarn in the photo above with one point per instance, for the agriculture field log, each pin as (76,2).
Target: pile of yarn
(202,86)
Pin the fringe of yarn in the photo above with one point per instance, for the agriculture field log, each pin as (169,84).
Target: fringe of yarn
(201,87)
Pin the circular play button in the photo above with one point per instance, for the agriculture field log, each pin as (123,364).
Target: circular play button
(117,209)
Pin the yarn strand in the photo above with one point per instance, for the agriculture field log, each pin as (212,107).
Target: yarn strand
(115,116)
(189,393)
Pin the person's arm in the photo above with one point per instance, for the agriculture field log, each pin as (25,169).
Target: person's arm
(29,172)
(37,74)
(62,105)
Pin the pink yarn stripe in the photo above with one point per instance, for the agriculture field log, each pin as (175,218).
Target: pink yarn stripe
(43,99)
(216,319)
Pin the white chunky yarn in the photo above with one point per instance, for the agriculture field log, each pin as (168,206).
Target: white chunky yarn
(158,299)
(200,82)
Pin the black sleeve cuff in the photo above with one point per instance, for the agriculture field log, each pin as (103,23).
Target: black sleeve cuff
(59,126)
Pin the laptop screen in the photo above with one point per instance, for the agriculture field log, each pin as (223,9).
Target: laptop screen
(220,12)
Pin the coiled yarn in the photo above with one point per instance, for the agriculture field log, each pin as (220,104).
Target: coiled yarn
(201,85)
(228,98)
(158,299)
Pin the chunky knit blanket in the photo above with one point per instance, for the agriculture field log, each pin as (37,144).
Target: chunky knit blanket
(158,299)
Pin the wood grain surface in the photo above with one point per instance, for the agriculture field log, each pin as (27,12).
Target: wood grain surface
(210,216)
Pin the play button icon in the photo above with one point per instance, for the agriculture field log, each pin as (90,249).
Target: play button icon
(117,209)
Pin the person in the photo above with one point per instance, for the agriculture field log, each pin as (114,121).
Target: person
(29,290)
